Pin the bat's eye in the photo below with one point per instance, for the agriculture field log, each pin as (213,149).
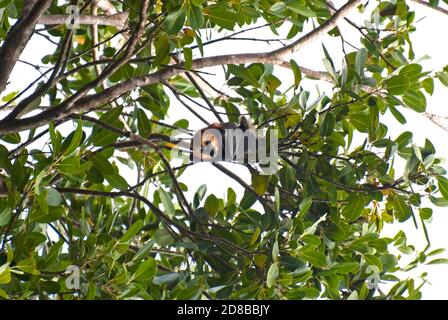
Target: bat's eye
(207,142)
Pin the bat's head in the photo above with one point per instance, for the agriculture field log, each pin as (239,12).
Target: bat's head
(206,144)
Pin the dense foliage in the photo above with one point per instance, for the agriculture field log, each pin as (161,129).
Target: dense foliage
(311,230)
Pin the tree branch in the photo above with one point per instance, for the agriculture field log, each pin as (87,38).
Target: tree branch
(18,38)
(90,101)
(427,4)
(117,20)
(440,121)
(265,202)
(106,6)
(168,223)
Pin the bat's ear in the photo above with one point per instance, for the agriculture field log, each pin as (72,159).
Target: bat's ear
(245,123)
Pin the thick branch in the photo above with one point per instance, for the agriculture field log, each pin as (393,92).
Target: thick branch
(117,20)
(427,4)
(90,101)
(106,6)
(440,121)
(17,39)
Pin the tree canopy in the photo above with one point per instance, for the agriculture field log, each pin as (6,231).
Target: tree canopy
(74,225)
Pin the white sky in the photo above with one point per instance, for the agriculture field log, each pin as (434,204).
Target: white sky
(203,173)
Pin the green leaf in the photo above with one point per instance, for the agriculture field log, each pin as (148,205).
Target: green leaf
(195,17)
(38,181)
(117,181)
(199,195)
(428,85)
(272,275)
(248,200)
(75,140)
(231,110)
(54,252)
(397,85)
(439,202)
(300,9)
(28,266)
(435,261)
(425,213)
(360,61)
(167,203)
(443,186)
(330,69)
(100,136)
(221,16)
(404,139)
(54,198)
(316,258)
(277,200)
(360,121)
(5,163)
(354,208)
(231,196)
(311,240)
(5,216)
(188,57)
(146,270)
(415,100)
(397,114)
(197,3)
(402,210)
(278,7)
(143,124)
(327,126)
(304,207)
(417,152)
(55,137)
(167,278)
(211,204)
(13,138)
(373,260)
(163,238)
(412,71)
(132,231)
(46,216)
(162,49)
(174,21)
(443,77)
(345,268)
(143,251)
(70,166)
(255,236)
(5,274)
(102,164)
(275,251)
(260,183)
(244,74)
(297,73)
(152,105)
